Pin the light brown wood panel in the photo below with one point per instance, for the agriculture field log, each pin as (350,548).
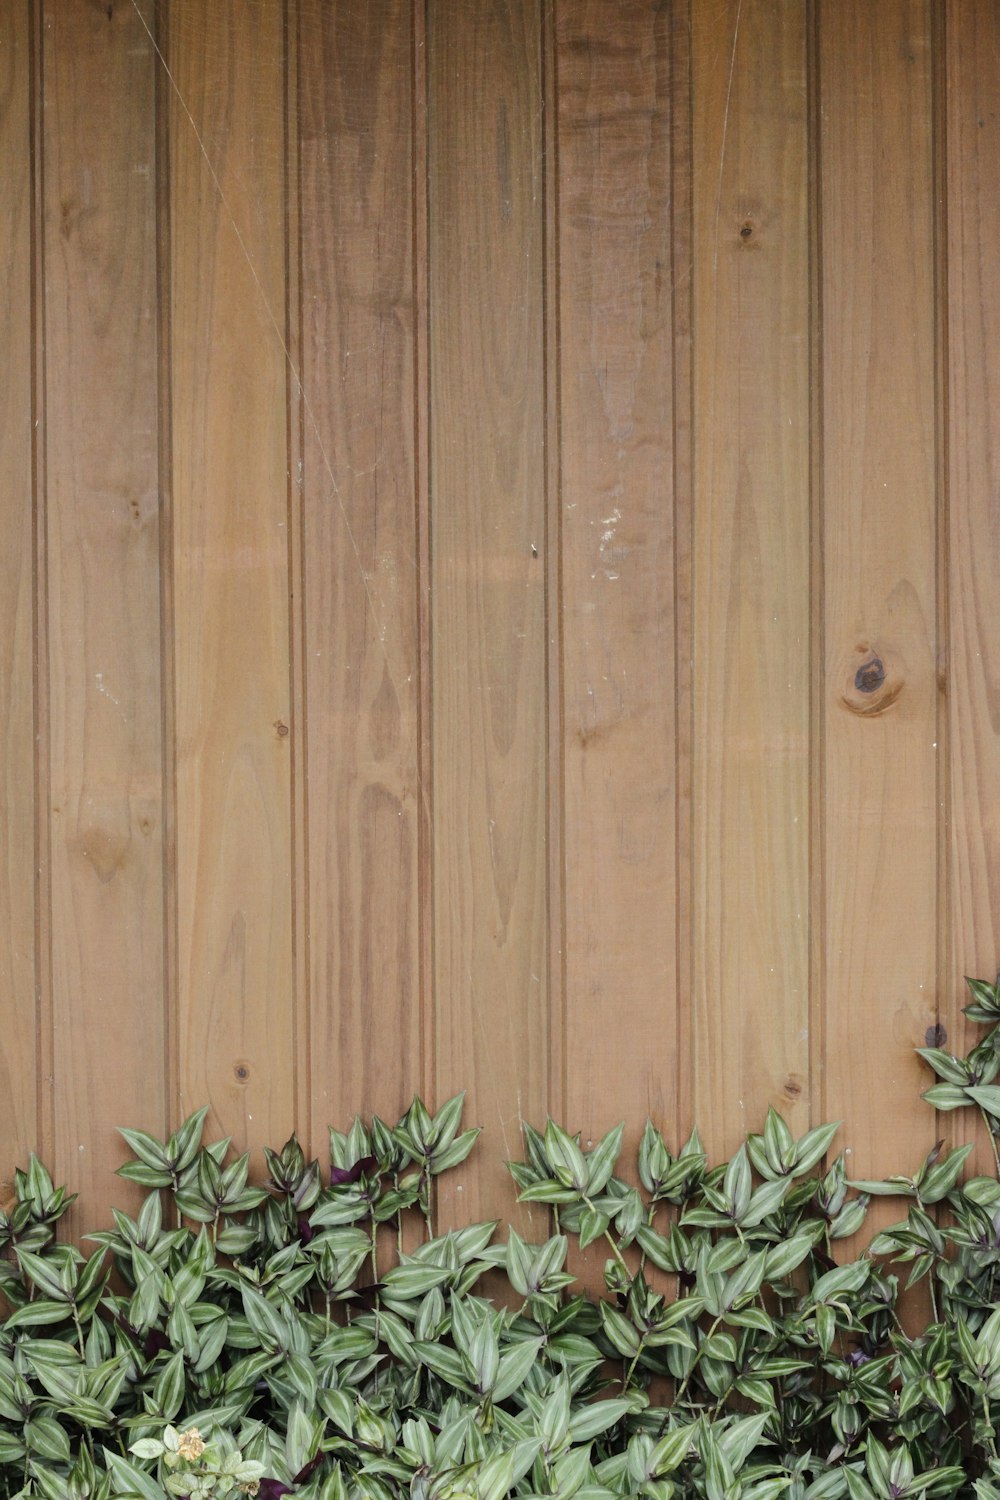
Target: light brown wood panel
(617,610)
(102,544)
(18,1104)
(444,640)
(750,606)
(973,543)
(879,540)
(487,477)
(236,1017)
(365,800)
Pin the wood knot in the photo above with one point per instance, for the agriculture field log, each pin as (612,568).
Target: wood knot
(870,677)
(281,728)
(792,1087)
(872,686)
(105,847)
(241,1069)
(936,1035)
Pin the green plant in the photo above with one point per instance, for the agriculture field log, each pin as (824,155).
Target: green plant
(281,1339)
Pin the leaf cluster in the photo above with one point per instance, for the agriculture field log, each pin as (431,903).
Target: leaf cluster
(314,1335)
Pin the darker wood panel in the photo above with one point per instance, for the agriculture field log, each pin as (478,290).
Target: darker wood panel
(361,630)
(164,104)
(421,439)
(487,478)
(972,53)
(102,545)
(879,546)
(296,34)
(18,1059)
(682,436)
(617,529)
(751,602)
(230,566)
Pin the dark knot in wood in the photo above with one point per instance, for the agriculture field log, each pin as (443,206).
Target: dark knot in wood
(870,676)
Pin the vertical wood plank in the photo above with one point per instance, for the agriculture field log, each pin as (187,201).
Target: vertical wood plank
(613,81)
(421,441)
(487,588)
(18,1108)
(973,651)
(682,318)
(879,541)
(230,566)
(361,581)
(751,623)
(297,35)
(103,601)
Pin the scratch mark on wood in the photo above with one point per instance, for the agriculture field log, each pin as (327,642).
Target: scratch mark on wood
(725,128)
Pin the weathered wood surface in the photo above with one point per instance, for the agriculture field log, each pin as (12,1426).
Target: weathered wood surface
(878,536)
(499,580)
(363,600)
(99,589)
(752,612)
(234,1009)
(969,539)
(20,1124)
(487,584)
(616,528)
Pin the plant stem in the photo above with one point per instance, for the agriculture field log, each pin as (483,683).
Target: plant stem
(989,1423)
(627,1381)
(930,1274)
(993,1140)
(607,1235)
(424,1199)
(79,1334)
(694,1363)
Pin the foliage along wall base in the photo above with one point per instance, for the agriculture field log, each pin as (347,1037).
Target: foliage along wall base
(235,1339)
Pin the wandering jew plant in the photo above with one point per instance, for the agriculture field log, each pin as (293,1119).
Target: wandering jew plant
(316,1337)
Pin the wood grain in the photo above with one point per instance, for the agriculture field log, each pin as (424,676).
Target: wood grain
(230,566)
(102,542)
(972,50)
(879,547)
(552,695)
(750,609)
(617,531)
(18,1071)
(487,481)
(361,580)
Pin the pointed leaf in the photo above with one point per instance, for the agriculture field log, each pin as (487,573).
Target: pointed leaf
(813,1145)
(456,1152)
(947,1067)
(147,1148)
(567,1160)
(602,1160)
(737,1185)
(515,1364)
(986,1095)
(444,1126)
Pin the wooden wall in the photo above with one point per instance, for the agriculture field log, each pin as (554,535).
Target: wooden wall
(499,583)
